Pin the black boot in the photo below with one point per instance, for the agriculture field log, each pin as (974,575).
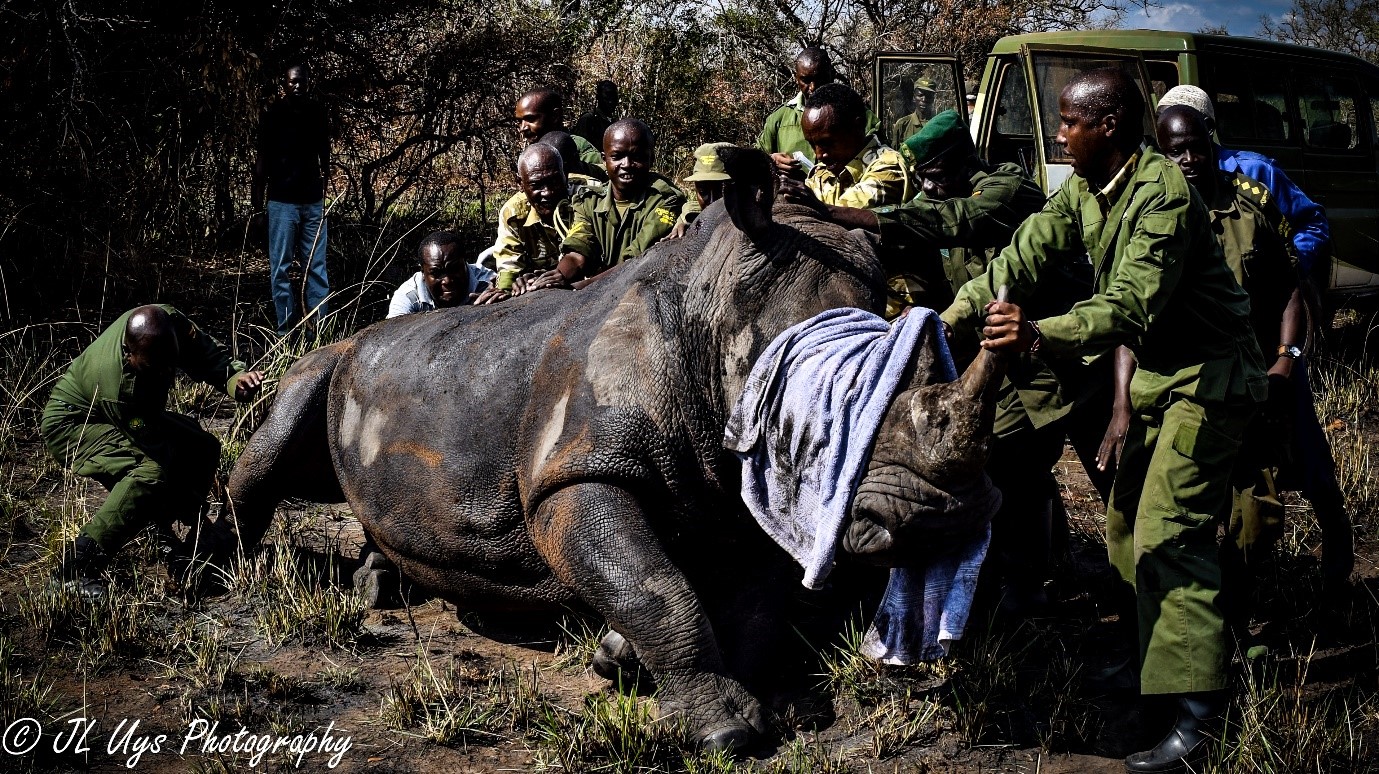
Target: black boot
(81,567)
(1191,740)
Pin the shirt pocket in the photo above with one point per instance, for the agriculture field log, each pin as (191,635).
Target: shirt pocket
(1194,476)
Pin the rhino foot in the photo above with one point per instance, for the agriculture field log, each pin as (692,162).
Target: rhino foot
(616,659)
(725,716)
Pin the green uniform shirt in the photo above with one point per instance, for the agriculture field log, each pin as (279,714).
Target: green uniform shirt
(783,134)
(1162,286)
(1255,239)
(525,242)
(100,384)
(588,153)
(968,231)
(906,125)
(607,236)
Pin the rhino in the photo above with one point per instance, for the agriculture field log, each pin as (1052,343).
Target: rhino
(565,449)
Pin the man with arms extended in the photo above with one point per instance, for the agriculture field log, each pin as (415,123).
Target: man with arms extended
(783,134)
(638,209)
(1162,288)
(543,110)
(108,419)
(292,165)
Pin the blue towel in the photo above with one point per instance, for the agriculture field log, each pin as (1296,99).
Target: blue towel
(803,428)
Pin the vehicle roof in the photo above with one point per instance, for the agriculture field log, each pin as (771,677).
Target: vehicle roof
(1161,40)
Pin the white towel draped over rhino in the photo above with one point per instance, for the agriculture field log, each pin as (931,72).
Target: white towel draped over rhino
(804,428)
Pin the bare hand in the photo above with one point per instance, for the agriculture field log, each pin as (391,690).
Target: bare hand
(1006,329)
(678,231)
(795,192)
(550,279)
(491,295)
(1113,443)
(248,385)
(787,166)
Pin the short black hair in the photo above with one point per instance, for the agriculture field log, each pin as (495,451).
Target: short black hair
(439,239)
(1109,91)
(546,97)
(631,123)
(303,66)
(564,145)
(814,56)
(847,104)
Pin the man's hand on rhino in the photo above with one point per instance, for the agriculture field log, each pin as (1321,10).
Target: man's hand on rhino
(248,385)
(795,192)
(491,295)
(549,279)
(1007,330)
(677,232)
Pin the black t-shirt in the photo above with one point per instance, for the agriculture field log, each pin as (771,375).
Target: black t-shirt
(294,138)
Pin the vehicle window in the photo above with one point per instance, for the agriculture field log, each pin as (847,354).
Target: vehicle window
(1329,105)
(1162,76)
(1251,100)
(912,93)
(1012,139)
(1052,71)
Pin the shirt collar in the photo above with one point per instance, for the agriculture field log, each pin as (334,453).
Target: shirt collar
(1107,196)
(423,291)
(855,167)
(797,101)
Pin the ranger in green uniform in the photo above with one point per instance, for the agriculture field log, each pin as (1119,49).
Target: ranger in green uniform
(782,134)
(1254,237)
(107,419)
(543,110)
(909,124)
(636,211)
(1162,288)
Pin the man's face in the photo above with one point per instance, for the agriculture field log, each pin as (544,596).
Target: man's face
(534,119)
(835,142)
(296,83)
(627,159)
(708,192)
(545,186)
(944,178)
(1188,144)
(445,274)
(1087,140)
(810,76)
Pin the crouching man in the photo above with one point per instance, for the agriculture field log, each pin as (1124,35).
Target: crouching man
(108,419)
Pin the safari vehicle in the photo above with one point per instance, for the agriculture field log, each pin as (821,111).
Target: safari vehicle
(1314,112)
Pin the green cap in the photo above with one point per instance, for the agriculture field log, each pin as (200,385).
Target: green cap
(924,84)
(943,133)
(707,165)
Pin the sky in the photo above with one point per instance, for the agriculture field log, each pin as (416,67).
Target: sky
(1239,18)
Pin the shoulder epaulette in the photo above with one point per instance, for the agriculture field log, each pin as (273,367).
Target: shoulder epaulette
(1262,198)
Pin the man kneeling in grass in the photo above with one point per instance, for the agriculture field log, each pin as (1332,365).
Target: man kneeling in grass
(108,419)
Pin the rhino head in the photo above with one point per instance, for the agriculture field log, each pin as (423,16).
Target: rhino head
(925,489)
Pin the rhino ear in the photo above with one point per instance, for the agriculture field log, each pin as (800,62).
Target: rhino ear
(751,192)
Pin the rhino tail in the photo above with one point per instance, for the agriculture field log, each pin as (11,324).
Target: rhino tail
(289,454)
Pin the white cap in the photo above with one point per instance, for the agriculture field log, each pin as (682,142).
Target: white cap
(1190,96)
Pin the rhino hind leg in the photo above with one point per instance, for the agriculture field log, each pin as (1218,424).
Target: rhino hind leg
(289,455)
(596,539)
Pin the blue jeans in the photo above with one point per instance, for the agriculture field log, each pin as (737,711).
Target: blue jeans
(297,231)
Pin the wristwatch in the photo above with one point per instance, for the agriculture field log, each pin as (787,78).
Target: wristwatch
(1290,351)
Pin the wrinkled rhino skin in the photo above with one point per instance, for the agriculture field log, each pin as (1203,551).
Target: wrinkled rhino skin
(565,448)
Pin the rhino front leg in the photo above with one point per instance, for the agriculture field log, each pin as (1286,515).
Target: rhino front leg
(596,539)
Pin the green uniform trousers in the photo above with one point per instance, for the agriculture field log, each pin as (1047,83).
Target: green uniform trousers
(1172,491)
(162,478)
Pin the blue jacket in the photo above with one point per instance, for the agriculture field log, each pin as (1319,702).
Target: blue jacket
(1311,234)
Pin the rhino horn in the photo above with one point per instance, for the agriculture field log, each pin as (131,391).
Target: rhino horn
(749,195)
(983,376)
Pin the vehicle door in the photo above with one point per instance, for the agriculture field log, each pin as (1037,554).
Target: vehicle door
(909,88)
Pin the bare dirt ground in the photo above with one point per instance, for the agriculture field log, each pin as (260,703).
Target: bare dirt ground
(419,690)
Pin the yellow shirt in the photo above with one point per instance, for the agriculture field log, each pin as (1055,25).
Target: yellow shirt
(876,176)
(525,243)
